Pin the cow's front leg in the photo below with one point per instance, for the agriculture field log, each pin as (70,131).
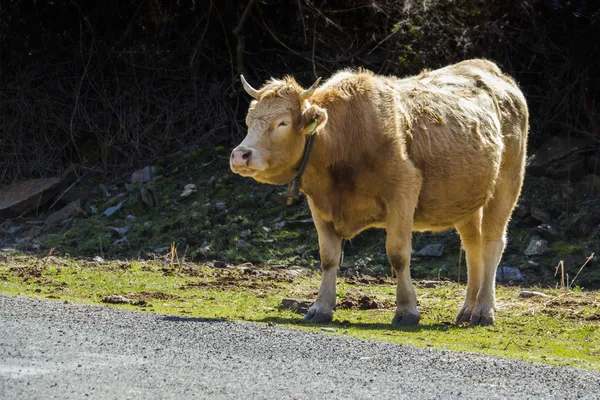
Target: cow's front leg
(330,248)
(398,247)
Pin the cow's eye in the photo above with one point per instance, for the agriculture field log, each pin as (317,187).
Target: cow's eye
(283,123)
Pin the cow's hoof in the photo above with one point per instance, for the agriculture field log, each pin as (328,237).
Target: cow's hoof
(464,315)
(482,316)
(317,315)
(406,319)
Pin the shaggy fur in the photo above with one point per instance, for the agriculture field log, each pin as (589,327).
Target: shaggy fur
(444,149)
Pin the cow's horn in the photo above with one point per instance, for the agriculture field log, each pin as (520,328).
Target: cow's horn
(249,89)
(309,92)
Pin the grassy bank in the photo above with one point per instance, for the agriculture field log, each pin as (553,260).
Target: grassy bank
(560,328)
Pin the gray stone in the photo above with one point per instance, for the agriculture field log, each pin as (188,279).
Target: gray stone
(540,215)
(536,247)
(188,190)
(241,244)
(148,197)
(432,250)
(547,232)
(14,229)
(143,175)
(279,225)
(116,299)
(99,259)
(295,305)
(111,210)
(561,157)
(70,210)
(121,231)
(528,293)
(509,274)
(24,197)
(245,233)
(121,242)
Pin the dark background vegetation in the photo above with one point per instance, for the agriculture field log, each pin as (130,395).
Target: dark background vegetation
(116,83)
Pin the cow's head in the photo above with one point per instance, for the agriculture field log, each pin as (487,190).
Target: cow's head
(279,120)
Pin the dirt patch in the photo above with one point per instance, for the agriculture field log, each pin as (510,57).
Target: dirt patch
(363,302)
(152,296)
(28,272)
(366,280)
(573,306)
(243,277)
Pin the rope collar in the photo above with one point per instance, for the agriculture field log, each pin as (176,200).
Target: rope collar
(293,191)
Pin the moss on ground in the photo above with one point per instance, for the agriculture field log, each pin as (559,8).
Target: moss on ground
(562,328)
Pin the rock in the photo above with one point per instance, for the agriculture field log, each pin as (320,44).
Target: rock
(432,250)
(547,232)
(561,157)
(328,329)
(120,231)
(188,190)
(432,284)
(111,210)
(295,305)
(536,247)
(148,197)
(526,294)
(245,233)
(582,223)
(143,175)
(241,244)
(279,225)
(72,209)
(28,243)
(302,223)
(121,242)
(220,205)
(219,264)
(98,259)
(14,229)
(117,299)
(160,250)
(540,215)
(509,274)
(205,247)
(21,198)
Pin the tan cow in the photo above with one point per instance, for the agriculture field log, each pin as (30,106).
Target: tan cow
(444,149)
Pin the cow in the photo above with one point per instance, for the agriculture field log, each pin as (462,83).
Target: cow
(440,150)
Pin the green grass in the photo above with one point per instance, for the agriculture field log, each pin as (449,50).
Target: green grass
(562,329)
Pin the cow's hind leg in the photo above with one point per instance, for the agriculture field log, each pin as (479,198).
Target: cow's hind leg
(496,215)
(330,249)
(470,235)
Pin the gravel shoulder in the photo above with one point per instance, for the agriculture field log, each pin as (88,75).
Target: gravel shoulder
(56,350)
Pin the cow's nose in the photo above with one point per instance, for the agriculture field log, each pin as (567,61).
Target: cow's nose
(240,157)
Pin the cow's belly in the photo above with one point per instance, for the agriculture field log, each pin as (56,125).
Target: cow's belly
(350,213)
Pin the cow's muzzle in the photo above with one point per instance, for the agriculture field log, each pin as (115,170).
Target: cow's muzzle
(240,157)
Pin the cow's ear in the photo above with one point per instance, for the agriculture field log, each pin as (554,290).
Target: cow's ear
(313,118)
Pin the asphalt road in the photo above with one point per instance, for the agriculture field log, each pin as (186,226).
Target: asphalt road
(53,350)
